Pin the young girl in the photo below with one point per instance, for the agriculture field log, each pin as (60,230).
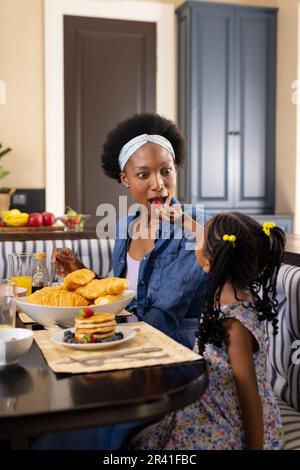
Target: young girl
(238,410)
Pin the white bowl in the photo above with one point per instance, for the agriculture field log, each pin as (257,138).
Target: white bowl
(48,316)
(14,343)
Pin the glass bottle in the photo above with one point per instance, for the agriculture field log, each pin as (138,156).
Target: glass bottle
(40,275)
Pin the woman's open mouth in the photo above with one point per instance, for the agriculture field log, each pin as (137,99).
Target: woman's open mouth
(159,201)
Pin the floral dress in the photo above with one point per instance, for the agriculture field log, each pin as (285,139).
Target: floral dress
(214,422)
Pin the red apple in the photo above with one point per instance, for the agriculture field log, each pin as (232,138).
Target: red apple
(35,219)
(2,223)
(48,218)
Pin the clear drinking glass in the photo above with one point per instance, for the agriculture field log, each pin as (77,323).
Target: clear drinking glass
(20,265)
(7,303)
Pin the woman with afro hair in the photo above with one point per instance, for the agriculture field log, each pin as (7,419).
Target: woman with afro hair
(143,153)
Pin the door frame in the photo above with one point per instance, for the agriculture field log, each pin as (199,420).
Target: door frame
(166,80)
(296,225)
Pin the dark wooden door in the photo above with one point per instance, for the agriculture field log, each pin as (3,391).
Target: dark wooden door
(109,74)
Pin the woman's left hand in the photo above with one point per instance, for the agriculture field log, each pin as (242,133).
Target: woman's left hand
(173,213)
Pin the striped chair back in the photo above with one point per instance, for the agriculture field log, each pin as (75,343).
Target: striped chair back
(94,253)
(283,371)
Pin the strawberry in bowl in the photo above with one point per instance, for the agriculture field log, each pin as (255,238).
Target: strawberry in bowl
(74,223)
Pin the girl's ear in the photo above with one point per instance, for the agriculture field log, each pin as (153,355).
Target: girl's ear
(203,260)
(124,180)
(207,265)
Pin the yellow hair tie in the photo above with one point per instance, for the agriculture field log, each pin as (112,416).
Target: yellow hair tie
(229,238)
(267,227)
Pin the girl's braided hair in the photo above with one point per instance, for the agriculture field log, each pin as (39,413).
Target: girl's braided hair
(251,262)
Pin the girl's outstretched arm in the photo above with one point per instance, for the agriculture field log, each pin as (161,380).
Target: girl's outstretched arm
(174,214)
(240,347)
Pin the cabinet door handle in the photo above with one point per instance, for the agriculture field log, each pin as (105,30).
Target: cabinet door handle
(234,133)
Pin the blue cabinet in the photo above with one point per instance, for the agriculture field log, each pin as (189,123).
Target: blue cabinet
(285,222)
(227,64)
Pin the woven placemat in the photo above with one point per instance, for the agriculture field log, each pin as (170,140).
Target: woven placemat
(170,352)
(26,320)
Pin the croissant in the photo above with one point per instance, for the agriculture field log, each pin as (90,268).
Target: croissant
(78,278)
(57,297)
(107,299)
(101,287)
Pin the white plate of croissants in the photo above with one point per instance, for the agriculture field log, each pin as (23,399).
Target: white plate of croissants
(61,304)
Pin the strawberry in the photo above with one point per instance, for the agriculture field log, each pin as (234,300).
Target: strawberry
(86,312)
(92,339)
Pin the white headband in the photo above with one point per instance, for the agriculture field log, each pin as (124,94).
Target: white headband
(134,144)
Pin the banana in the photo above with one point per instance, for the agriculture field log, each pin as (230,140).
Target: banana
(15,218)
(71,212)
(11,212)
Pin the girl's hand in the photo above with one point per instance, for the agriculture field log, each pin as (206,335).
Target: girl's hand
(65,261)
(173,213)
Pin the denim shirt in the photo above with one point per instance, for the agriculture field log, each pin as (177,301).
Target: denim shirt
(171,284)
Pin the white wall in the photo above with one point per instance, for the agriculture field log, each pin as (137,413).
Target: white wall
(297,172)
(286,111)
(22,70)
(161,14)
(22,118)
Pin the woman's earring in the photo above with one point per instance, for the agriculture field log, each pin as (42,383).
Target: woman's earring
(127,185)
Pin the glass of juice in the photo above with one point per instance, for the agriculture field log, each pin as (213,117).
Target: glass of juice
(20,265)
(7,303)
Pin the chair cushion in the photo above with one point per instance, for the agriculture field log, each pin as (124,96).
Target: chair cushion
(291,426)
(94,253)
(283,372)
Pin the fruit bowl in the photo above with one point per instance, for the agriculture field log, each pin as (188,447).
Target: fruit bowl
(74,223)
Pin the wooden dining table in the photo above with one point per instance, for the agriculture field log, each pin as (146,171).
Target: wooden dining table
(34,400)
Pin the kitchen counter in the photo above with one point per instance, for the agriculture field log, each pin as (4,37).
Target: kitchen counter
(21,235)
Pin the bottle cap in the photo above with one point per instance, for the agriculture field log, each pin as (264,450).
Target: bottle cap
(40,256)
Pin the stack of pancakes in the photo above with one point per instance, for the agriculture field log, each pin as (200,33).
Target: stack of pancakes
(100,326)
